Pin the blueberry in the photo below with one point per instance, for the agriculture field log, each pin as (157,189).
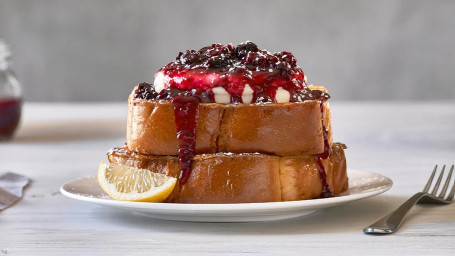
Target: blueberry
(219,62)
(216,50)
(145,91)
(260,60)
(287,57)
(264,99)
(189,58)
(244,48)
(281,65)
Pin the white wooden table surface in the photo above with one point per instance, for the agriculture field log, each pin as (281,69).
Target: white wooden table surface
(61,142)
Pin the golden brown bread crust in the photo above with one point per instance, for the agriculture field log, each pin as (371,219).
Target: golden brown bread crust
(151,127)
(244,178)
(273,128)
(299,176)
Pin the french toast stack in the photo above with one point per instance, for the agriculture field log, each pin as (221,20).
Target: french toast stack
(265,150)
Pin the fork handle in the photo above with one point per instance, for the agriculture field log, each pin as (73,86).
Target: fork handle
(391,222)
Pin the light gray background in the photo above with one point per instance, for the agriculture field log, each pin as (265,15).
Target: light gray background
(361,50)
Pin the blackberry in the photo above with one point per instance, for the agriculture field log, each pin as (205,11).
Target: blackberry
(216,50)
(286,57)
(220,61)
(189,58)
(145,91)
(244,48)
(260,60)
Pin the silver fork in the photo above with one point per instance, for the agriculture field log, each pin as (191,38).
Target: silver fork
(390,223)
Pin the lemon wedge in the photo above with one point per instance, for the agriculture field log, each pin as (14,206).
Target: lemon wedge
(128,183)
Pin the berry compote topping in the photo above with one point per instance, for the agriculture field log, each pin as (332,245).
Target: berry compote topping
(147,91)
(232,68)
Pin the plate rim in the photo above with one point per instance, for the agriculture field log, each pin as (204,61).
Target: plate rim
(318,203)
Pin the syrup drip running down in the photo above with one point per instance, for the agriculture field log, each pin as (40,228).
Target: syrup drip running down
(326,192)
(186,108)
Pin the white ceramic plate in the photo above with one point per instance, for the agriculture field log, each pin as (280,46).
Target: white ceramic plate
(361,185)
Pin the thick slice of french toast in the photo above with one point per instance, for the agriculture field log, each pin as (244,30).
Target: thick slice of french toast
(273,128)
(245,178)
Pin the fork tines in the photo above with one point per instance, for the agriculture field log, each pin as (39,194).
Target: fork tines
(438,182)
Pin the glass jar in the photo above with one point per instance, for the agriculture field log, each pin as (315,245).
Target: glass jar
(10,95)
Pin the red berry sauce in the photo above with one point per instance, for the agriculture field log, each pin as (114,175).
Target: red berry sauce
(232,68)
(185,114)
(326,191)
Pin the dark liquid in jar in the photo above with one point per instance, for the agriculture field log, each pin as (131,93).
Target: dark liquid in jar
(10,113)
